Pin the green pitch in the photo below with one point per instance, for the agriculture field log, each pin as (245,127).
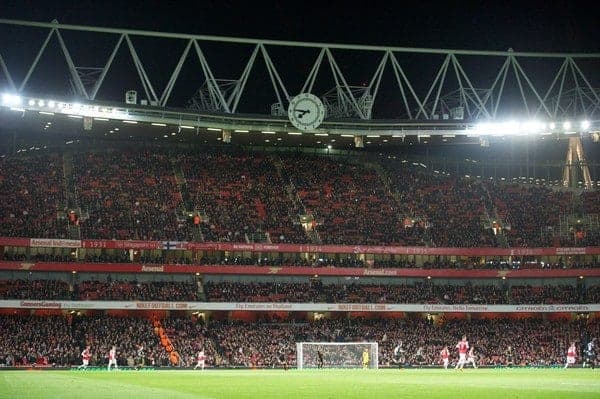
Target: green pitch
(271,384)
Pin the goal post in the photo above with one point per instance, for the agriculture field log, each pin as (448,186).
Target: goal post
(336,354)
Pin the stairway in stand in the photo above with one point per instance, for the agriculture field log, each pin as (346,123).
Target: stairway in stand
(72,202)
(166,342)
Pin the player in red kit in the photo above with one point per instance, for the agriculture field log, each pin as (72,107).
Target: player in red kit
(463,347)
(86,355)
(571,355)
(112,358)
(445,353)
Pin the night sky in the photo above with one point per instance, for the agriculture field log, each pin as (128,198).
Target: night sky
(485,25)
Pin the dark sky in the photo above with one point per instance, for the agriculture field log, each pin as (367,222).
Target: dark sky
(487,25)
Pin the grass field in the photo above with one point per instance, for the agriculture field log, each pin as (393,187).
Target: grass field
(334,384)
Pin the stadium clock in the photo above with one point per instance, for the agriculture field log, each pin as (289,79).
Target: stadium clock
(306,112)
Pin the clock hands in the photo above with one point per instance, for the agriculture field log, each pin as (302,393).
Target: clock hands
(302,112)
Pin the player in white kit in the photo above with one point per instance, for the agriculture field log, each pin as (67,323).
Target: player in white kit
(112,358)
(471,357)
(201,360)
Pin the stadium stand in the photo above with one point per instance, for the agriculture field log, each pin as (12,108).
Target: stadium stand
(149,194)
(310,292)
(32,192)
(128,194)
(242,196)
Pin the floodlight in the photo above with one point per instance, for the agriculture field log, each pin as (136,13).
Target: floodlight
(51,103)
(11,99)
(532,127)
(566,125)
(41,103)
(31,102)
(552,125)
(585,125)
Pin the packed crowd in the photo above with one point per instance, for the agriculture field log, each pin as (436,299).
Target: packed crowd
(128,291)
(429,292)
(146,194)
(32,192)
(58,340)
(35,289)
(314,291)
(549,294)
(241,195)
(452,210)
(291,260)
(128,195)
(529,210)
(348,201)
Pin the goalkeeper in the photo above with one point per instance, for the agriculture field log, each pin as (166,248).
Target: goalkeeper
(319,359)
(365,358)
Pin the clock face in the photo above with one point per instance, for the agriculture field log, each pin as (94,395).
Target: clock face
(306,111)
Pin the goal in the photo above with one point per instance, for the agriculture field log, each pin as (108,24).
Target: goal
(336,354)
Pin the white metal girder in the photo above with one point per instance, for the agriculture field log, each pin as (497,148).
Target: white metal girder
(312,76)
(7,74)
(36,60)
(479,103)
(239,89)
(518,67)
(213,87)
(226,39)
(399,72)
(375,82)
(351,101)
(164,98)
(556,77)
(275,79)
(339,77)
(106,68)
(441,76)
(147,85)
(80,88)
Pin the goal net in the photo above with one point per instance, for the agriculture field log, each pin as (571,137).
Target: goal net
(337,354)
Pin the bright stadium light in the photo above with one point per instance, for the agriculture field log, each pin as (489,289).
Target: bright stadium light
(567,125)
(552,125)
(41,103)
(11,99)
(31,102)
(51,103)
(585,125)
(512,127)
(532,127)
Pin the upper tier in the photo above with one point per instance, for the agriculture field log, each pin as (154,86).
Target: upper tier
(150,194)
